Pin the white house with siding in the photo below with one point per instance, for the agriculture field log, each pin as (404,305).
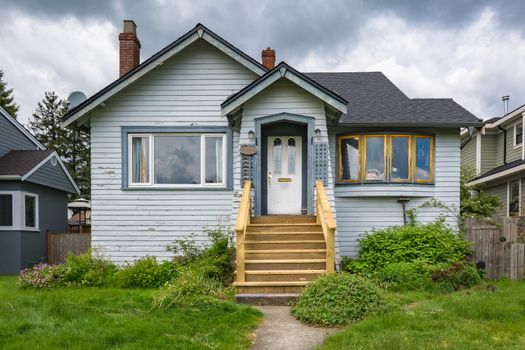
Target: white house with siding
(177,138)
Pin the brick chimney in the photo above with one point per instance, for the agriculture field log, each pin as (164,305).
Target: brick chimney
(268,58)
(129,48)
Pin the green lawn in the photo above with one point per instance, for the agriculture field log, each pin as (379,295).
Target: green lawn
(475,319)
(105,318)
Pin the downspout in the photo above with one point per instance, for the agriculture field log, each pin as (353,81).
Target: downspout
(504,144)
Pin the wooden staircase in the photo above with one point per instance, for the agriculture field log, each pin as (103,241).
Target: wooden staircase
(280,254)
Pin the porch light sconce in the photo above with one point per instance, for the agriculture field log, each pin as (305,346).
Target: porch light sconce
(317,132)
(251,135)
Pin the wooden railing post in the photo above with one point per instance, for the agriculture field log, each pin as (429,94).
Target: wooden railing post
(243,220)
(325,218)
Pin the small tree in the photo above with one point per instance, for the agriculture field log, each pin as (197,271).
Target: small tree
(475,202)
(6,97)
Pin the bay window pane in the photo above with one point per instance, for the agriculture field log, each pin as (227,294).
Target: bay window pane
(30,211)
(140,159)
(214,160)
(514,198)
(423,150)
(400,158)
(177,160)
(6,210)
(375,158)
(349,159)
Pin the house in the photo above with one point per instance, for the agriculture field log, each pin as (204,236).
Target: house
(497,153)
(177,137)
(34,185)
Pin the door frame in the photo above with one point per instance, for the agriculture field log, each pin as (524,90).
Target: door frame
(259,177)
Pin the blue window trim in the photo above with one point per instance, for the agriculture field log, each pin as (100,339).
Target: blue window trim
(126,130)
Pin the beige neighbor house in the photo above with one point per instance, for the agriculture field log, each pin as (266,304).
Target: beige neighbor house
(497,152)
(300,164)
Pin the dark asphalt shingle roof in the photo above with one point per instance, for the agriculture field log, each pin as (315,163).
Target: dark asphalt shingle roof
(373,99)
(21,162)
(502,168)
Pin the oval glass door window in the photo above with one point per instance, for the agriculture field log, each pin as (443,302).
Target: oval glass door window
(291,156)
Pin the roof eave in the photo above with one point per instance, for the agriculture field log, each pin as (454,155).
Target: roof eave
(404,124)
(498,175)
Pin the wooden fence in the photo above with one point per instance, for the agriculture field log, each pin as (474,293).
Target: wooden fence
(60,243)
(500,244)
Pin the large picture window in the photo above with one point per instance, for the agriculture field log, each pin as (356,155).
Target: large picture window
(6,210)
(370,158)
(176,160)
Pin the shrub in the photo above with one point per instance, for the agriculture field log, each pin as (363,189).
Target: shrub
(87,270)
(145,273)
(338,299)
(456,276)
(405,276)
(431,243)
(191,288)
(40,276)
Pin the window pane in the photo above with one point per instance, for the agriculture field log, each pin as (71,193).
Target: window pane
(519,134)
(140,160)
(423,151)
(214,161)
(177,159)
(6,210)
(400,162)
(350,158)
(30,215)
(514,198)
(375,158)
(277,156)
(291,156)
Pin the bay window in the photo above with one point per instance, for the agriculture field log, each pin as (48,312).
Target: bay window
(6,210)
(369,158)
(176,160)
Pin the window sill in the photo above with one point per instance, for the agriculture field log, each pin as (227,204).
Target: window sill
(175,189)
(383,183)
(517,146)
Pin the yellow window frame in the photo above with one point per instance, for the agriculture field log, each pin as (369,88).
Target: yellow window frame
(414,166)
(409,172)
(365,137)
(340,162)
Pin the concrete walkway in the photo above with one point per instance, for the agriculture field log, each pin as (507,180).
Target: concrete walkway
(280,330)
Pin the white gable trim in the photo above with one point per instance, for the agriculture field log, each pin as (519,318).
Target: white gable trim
(507,118)
(198,34)
(39,165)
(294,78)
(20,127)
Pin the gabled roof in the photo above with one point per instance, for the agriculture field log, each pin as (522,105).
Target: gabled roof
(497,121)
(373,99)
(20,127)
(19,165)
(283,70)
(198,32)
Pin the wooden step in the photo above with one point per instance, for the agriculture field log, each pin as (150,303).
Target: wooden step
(270,287)
(298,227)
(284,236)
(283,219)
(290,244)
(285,264)
(282,275)
(266,254)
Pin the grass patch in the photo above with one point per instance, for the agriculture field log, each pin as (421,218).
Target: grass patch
(478,318)
(102,318)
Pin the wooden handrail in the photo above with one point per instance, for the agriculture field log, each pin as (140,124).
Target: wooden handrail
(325,218)
(243,220)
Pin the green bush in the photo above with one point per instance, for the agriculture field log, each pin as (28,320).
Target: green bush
(40,276)
(456,276)
(404,276)
(431,243)
(87,269)
(338,299)
(145,273)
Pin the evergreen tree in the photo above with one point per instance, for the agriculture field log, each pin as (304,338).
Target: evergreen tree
(71,142)
(6,97)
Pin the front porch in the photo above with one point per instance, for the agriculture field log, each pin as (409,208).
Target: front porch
(278,255)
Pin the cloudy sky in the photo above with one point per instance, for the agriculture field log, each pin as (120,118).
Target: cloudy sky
(470,50)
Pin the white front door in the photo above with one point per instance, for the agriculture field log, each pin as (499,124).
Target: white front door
(284,175)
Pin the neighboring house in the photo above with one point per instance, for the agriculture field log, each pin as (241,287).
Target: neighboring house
(174,138)
(33,196)
(497,153)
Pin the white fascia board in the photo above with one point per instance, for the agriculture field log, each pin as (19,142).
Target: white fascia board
(159,61)
(20,127)
(53,155)
(10,177)
(499,175)
(507,118)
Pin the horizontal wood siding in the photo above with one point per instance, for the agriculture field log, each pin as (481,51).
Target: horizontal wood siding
(488,152)
(187,90)
(52,176)
(361,208)
(468,153)
(512,153)
(12,139)
(499,191)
